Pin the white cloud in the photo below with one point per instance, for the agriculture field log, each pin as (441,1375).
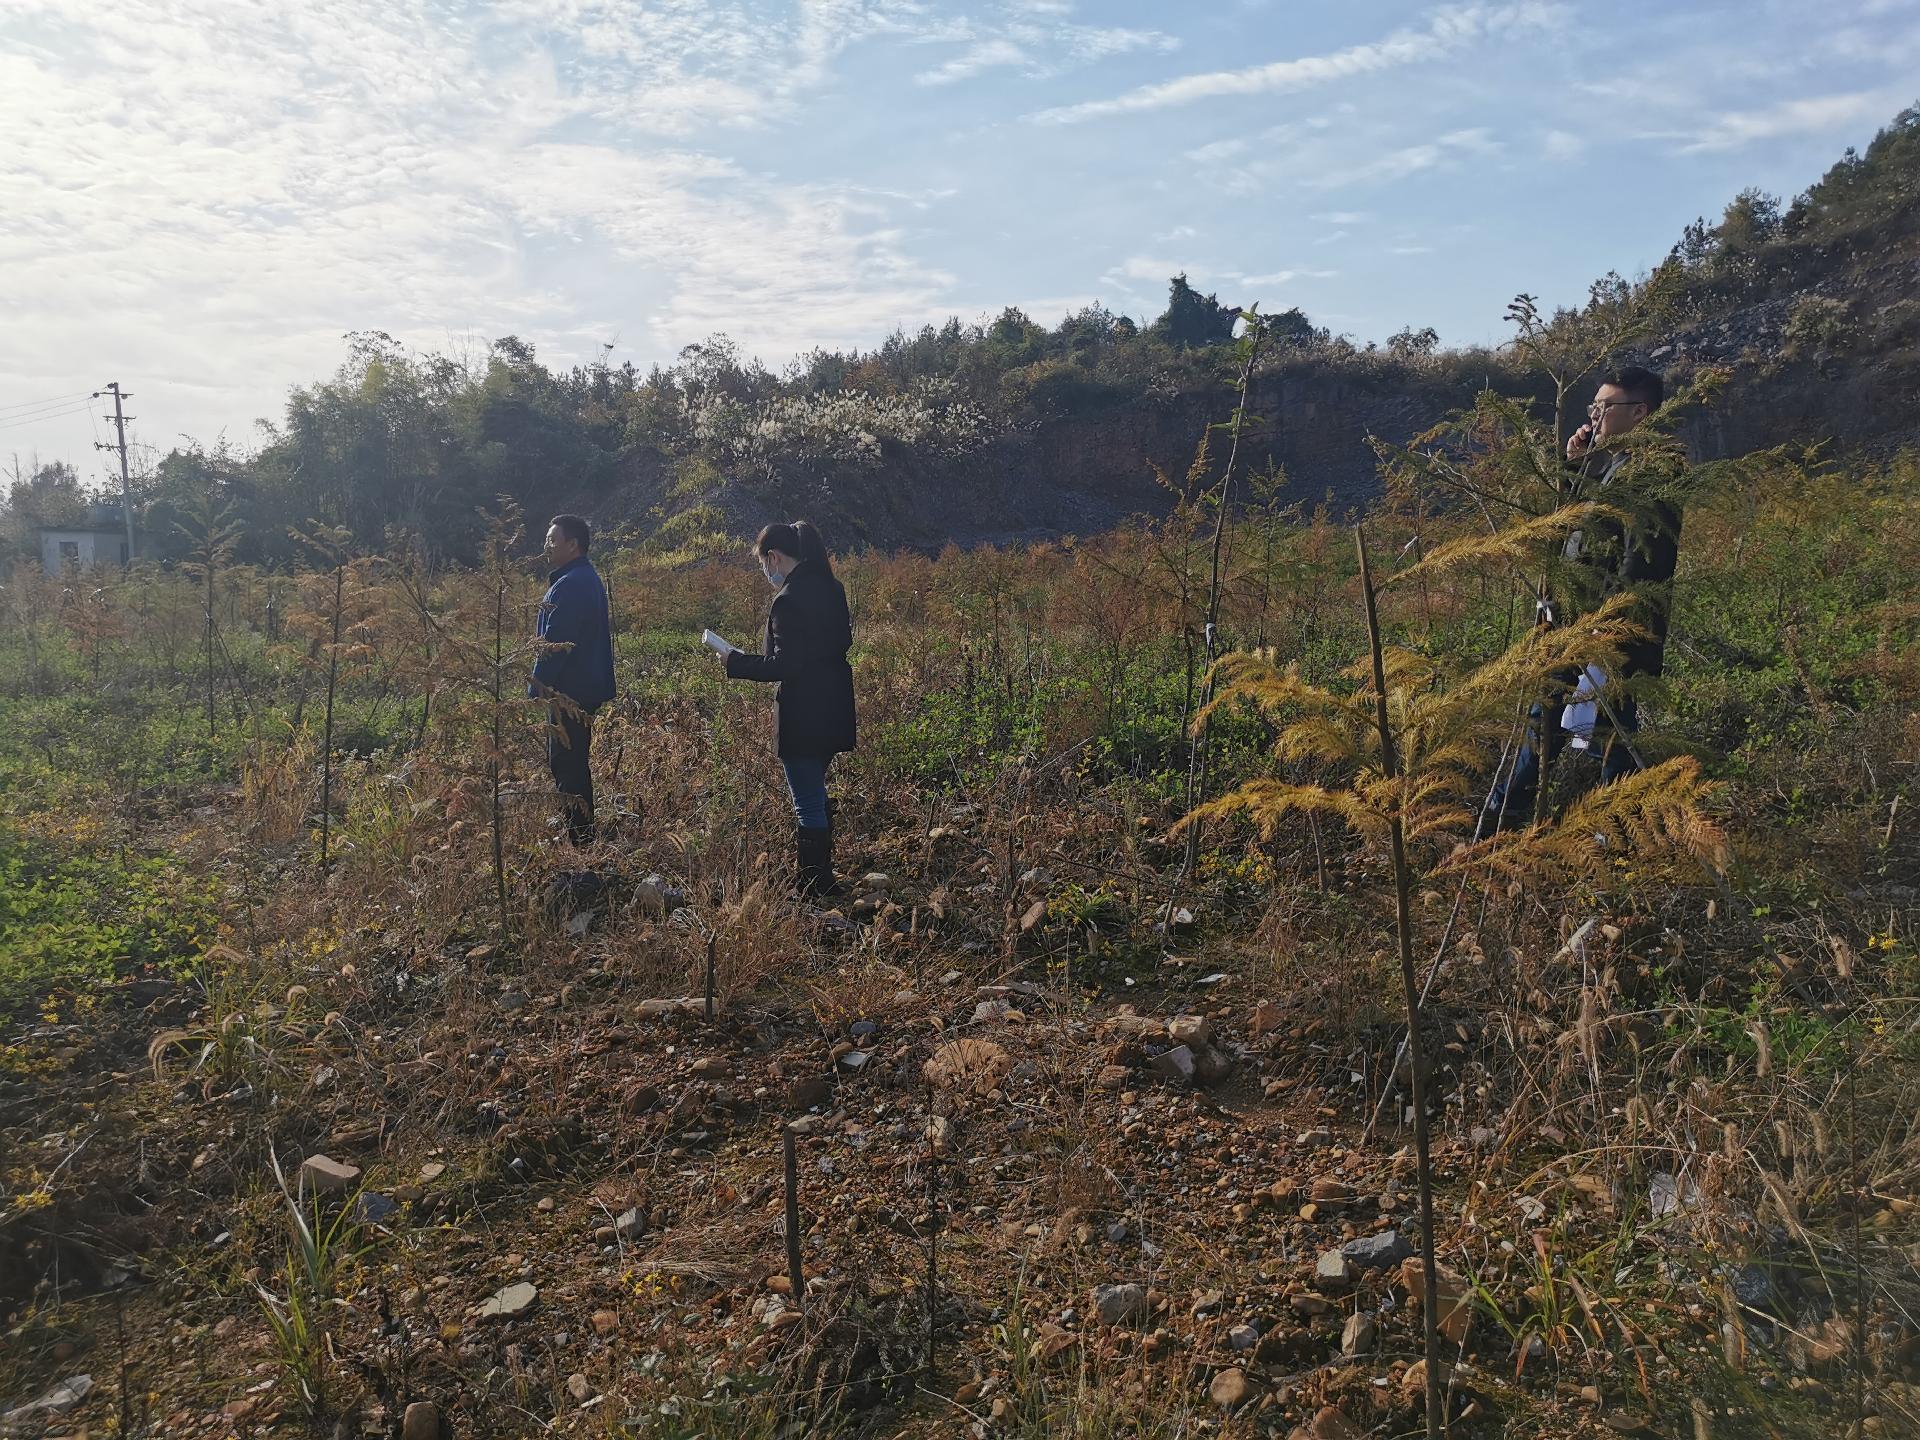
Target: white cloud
(987,55)
(1815,115)
(1038,41)
(1342,217)
(1409,160)
(258,180)
(1562,145)
(1446,31)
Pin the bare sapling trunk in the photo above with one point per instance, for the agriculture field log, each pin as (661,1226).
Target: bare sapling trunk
(1198,750)
(1403,926)
(326,729)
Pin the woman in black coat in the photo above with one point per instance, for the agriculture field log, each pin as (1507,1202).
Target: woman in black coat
(808,636)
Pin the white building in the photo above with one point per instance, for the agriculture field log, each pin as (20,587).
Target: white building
(101,540)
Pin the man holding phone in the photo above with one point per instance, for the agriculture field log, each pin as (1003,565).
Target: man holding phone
(1601,560)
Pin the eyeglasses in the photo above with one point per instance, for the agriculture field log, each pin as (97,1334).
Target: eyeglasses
(1600,407)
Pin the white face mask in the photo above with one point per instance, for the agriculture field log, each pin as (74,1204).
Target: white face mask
(774,577)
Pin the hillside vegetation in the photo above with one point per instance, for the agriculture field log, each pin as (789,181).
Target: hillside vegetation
(1004,430)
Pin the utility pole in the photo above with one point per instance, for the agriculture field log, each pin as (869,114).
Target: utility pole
(126,482)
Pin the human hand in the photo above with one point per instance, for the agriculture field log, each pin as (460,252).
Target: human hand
(1580,442)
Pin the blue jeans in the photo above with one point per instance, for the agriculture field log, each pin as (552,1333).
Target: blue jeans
(1513,796)
(807,784)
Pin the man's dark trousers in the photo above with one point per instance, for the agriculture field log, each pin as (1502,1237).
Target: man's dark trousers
(569,747)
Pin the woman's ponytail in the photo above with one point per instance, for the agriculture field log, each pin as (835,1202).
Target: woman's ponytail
(798,539)
(812,547)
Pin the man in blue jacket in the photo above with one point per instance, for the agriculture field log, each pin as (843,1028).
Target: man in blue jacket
(574,673)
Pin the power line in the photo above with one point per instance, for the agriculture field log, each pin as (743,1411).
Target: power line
(58,407)
(37,404)
(11,424)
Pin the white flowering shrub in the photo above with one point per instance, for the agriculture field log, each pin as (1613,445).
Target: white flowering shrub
(848,426)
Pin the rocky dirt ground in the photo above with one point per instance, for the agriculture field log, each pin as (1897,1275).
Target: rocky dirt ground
(1044,1186)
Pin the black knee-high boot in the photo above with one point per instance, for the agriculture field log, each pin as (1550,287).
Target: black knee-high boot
(813,859)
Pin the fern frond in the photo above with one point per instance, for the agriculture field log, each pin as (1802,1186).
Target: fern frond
(1253,677)
(1519,543)
(1267,802)
(1661,809)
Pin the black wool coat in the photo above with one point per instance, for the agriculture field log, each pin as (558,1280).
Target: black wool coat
(808,636)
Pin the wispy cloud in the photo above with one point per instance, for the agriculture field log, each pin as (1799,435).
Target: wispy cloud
(1038,40)
(1446,31)
(1410,160)
(1816,115)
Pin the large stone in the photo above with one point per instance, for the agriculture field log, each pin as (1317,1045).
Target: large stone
(1193,1030)
(1356,1338)
(65,1396)
(1453,1304)
(1377,1252)
(1334,1271)
(1231,1388)
(1332,1424)
(510,1302)
(1175,1064)
(1119,1304)
(631,1225)
(421,1421)
(322,1175)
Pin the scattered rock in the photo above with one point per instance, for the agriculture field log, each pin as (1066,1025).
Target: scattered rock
(1138,1027)
(1328,1191)
(1378,1251)
(1314,1139)
(1334,1271)
(939,1133)
(63,1397)
(1119,1304)
(1669,1194)
(1034,918)
(1243,1337)
(1332,1424)
(373,1208)
(431,1171)
(1231,1388)
(712,1067)
(512,1301)
(1453,1310)
(421,1421)
(605,1322)
(1195,1030)
(1211,1065)
(875,880)
(1307,1304)
(323,1176)
(1267,1017)
(580,1388)
(809,1093)
(1176,1064)
(631,1225)
(1356,1338)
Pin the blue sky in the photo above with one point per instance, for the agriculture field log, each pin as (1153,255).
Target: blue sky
(199,197)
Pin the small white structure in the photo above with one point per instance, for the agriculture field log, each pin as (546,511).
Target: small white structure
(101,540)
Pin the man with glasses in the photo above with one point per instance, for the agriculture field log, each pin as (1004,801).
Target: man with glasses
(1599,561)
